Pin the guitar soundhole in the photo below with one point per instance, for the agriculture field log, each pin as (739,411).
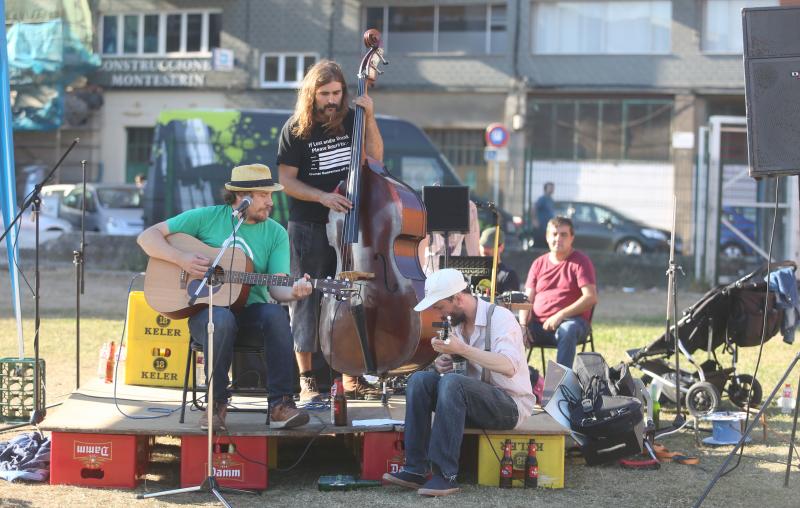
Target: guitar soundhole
(217,280)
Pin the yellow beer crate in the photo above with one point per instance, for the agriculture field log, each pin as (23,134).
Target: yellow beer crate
(157,345)
(550,455)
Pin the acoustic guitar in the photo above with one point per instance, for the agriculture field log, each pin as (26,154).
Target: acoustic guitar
(169,289)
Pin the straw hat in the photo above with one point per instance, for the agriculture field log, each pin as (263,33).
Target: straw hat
(252,177)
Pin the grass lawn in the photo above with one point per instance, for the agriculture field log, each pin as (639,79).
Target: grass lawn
(623,321)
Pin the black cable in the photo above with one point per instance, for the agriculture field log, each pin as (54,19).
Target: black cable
(284,470)
(763,324)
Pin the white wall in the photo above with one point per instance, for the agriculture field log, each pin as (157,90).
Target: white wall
(140,108)
(642,191)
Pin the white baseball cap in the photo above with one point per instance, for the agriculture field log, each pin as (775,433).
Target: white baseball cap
(440,285)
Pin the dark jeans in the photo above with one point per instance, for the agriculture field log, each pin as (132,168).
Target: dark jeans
(457,401)
(258,324)
(312,254)
(571,332)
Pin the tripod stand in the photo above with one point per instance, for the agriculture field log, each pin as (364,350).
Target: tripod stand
(33,200)
(206,288)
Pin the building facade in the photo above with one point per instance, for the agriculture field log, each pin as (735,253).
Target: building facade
(602,97)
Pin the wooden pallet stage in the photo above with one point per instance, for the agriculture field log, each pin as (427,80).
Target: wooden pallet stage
(102,441)
(91,409)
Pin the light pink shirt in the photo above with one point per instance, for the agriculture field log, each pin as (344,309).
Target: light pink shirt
(506,337)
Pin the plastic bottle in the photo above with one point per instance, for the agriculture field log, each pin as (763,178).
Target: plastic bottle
(786,399)
(110,363)
(655,394)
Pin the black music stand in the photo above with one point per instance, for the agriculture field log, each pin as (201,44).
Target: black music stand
(446,211)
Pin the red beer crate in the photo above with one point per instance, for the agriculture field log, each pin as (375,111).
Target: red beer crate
(238,462)
(381,452)
(98,460)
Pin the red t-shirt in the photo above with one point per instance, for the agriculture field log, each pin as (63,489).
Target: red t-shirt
(556,286)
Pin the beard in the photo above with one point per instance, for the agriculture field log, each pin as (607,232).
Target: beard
(457,318)
(329,110)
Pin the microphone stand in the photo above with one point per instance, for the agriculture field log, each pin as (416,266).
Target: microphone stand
(210,279)
(672,313)
(77,260)
(495,254)
(34,201)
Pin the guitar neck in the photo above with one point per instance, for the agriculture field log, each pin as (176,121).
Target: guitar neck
(262,279)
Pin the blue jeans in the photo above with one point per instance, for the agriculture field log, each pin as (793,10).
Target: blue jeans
(264,324)
(571,332)
(457,401)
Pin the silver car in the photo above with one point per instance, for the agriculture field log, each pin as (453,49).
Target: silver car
(114,209)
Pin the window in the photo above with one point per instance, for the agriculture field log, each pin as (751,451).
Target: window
(722,24)
(153,34)
(600,129)
(285,70)
(469,29)
(610,27)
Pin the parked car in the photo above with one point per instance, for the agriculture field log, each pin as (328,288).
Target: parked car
(52,195)
(731,245)
(114,209)
(49,228)
(599,227)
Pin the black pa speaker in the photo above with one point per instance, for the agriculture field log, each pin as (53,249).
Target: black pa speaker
(447,208)
(772,89)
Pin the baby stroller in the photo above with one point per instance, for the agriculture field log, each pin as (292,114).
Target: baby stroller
(725,318)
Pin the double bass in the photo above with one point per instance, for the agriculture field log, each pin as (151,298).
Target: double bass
(376,331)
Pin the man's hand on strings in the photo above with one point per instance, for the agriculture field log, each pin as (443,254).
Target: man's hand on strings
(194,264)
(365,101)
(302,287)
(336,202)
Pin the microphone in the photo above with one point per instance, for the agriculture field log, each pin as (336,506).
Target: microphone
(242,208)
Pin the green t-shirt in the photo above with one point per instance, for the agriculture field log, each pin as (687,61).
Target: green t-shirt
(265,243)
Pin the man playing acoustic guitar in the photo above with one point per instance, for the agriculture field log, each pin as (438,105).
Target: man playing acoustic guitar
(266,243)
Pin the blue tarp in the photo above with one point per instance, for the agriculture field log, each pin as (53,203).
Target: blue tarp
(44,57)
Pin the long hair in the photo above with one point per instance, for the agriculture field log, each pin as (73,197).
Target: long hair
(320,74)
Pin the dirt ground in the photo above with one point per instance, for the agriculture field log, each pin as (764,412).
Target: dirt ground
(758,481)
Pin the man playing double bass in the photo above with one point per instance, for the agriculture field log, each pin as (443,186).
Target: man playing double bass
(313,157)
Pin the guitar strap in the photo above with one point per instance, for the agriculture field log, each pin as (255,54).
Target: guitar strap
(487,340)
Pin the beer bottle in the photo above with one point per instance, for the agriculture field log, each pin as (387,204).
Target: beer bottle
(110,363)
(531,467)
(506,466)
(338,404)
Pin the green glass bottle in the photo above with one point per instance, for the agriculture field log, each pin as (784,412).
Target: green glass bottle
(344,482)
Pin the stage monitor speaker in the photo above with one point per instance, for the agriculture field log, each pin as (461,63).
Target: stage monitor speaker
(772,89)
(447,208)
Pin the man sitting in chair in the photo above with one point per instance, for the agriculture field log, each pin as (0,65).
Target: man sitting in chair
(267,243)
(562,286)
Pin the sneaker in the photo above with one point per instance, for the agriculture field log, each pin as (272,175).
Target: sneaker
(438,486)
(308,390)
(285,415)
(217,420)
(405,479)
(358,389)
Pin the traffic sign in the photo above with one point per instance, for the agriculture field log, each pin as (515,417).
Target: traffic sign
(496,135)
(491,154)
